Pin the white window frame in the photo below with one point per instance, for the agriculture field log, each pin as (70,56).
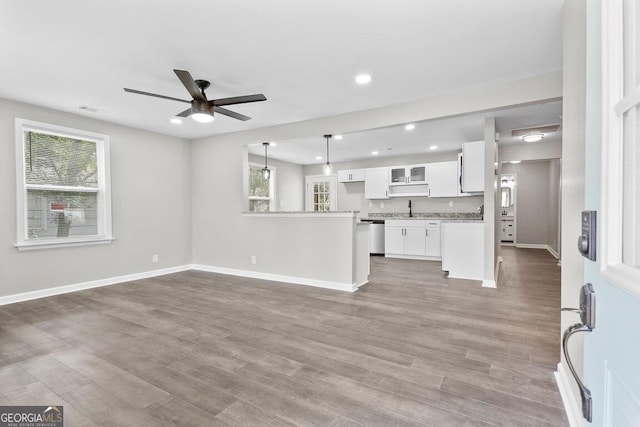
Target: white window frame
(272,186)
(614,104)
(104,234)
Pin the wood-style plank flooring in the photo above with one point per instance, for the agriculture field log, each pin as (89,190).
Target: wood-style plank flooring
(202,349)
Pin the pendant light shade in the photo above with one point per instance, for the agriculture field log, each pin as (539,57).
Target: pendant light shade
(266,173)
(328,167)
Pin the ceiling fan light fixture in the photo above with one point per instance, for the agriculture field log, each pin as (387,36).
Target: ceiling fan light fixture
(533,137)
(202,117)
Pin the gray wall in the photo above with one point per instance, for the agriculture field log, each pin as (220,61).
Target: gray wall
(536,203)
(351,195)
(289,183)
(151,207)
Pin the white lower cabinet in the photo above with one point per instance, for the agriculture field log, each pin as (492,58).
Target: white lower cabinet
(413,239)
(434,242)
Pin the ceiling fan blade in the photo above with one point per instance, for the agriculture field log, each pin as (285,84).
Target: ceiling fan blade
(239,99)
(185,113)
(190,84)
(230,113)
(139,92)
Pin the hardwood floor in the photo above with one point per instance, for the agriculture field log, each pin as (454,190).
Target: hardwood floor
(200,349)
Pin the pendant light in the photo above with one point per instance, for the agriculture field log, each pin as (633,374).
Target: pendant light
(328,167)
(266,173)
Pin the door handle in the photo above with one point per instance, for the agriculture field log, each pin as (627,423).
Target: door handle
(587,312)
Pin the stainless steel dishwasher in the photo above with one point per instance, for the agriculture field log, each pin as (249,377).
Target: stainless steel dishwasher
(376,237)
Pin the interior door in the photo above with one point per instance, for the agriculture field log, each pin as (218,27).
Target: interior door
(612,349)
(321,193)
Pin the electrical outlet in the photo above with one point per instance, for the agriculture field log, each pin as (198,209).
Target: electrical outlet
(281,203)
(253,260)
(450,203)
(370,204)
(154,258)
(381,205)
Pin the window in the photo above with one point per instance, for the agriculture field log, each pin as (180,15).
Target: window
(321,193)
(620,192)
(63,195)
(261,190)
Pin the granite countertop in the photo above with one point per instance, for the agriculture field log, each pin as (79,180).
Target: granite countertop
(442,216)
(300,212)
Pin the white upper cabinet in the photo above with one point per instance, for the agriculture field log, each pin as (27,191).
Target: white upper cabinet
(408,175)
(376,183)
(473,167)
(443,179)
(351,175)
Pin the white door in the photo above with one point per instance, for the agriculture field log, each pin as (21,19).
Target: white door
(321,195)
(612,349)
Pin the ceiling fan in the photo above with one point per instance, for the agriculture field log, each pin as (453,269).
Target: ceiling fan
(201,108)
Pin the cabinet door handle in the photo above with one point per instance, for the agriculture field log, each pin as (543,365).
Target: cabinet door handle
(426,230)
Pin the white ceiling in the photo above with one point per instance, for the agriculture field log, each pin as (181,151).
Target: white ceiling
(447,134)
(303,55)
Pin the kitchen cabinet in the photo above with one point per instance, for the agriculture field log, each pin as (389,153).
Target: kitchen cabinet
(351,175)
(443,179)
(408,175)
(473,167)
(412,239)
(376,183)
(507,229)
(434,243)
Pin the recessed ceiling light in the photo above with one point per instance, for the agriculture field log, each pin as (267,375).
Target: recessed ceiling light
(337,136)
(363,79)
(410,126)
(318,157)
(176,121)
(533,137)
(515,162)
(272,144)
(433,147)
(374,153)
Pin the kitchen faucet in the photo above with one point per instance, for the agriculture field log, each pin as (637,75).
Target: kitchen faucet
(410,213)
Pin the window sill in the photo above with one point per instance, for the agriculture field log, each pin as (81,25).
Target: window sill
(50,244)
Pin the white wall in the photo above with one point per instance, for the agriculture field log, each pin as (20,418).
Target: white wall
(289,183)
(151,207)
(351,195)
(553,214)
(573,168)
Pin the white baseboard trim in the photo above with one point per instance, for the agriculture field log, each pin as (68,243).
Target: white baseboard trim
(553,252)
(26,296)
(531,246)
(574,412)
(489,284)
(337,286)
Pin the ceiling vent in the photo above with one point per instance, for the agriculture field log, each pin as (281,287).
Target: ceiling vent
(544,129)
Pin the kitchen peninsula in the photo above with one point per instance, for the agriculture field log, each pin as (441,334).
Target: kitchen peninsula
(323,249)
